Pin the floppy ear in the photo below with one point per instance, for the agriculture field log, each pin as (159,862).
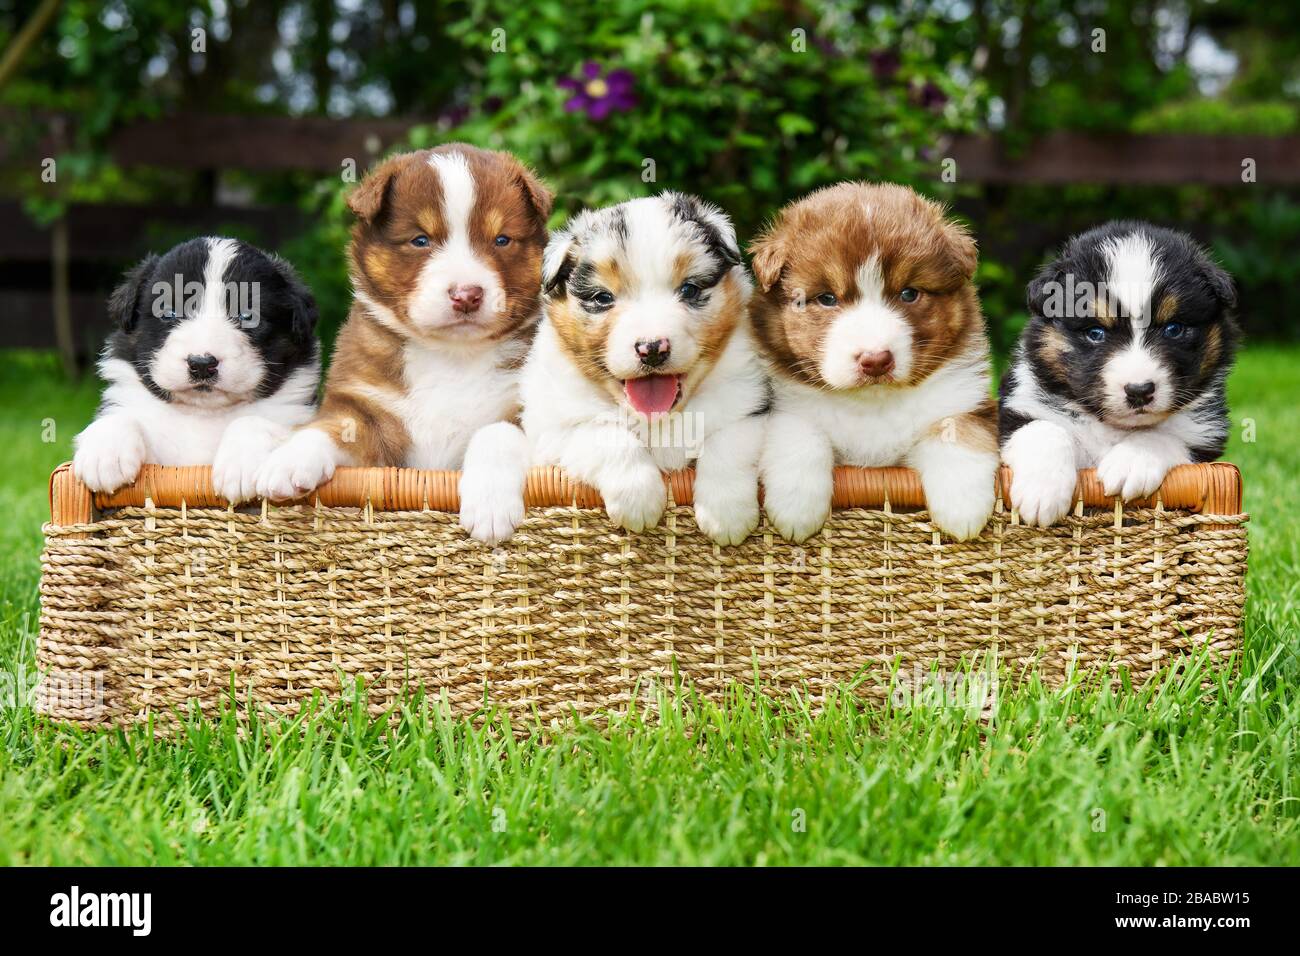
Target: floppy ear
(769,259)
(962,248)
(124,303)
(1049,280)
(305,313)
(367,199)
(558,261)
(1219,281)
(535,191)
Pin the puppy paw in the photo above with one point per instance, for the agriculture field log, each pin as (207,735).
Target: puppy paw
(489,511)
(1131,471)
(960,503)
(796,513)
(1043,493)
(110,454)
(245,447)
(298,467)
(637,501)
(726,511)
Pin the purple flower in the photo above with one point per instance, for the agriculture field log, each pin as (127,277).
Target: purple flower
(598,95)
(884,64)
(931,97)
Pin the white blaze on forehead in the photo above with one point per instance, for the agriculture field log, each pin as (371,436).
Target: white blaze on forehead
(1134,270)
(870,280)
(454,262)
(457,194)
(215,303)
(651,246)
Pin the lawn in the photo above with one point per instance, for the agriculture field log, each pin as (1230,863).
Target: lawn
(1169,774)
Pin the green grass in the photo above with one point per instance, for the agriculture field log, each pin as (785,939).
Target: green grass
(1170,774)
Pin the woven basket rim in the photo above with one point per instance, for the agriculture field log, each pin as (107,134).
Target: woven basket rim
(1211,488)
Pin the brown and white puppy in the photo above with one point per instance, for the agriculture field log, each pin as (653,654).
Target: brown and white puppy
(446,260)
(879,355)
(645,362)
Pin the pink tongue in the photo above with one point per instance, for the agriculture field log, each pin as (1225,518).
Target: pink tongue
(653,394)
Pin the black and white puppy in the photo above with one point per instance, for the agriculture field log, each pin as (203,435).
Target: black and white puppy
(1122,367)
(214,361)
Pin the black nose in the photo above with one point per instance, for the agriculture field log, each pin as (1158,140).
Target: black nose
(203,367)
(1140,393)
(653,353)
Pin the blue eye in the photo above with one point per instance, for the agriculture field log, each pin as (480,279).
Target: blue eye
(1173,330)
(169,315)
(689,291)
(420,241)
(1095,334)
(502,240)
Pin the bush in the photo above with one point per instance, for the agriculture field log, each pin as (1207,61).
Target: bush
(749,103)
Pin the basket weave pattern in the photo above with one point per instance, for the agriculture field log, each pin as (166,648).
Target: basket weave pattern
(168,605)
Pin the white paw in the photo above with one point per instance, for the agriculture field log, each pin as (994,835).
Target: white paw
(726,511)
(1043,493)
(490,511)
(796,512)
(110,454)
(245,447)
(1131,471)
(637,501)
(960,502)
(298,467)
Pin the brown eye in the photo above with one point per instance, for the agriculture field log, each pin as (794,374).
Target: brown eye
(909,294)
(828,299)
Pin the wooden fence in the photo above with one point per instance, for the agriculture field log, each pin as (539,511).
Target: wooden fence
(73,263)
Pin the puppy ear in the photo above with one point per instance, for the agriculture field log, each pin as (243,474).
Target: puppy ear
(558,261)
(714,225)
(535,191)
(1050,279)
(302,302)
(124,303)
(961,247)
(367,200)
(1220,283)
(769,259)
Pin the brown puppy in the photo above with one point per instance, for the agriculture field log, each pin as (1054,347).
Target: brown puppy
(446,265)
(879,354)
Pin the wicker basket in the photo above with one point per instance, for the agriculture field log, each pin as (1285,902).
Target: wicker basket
(160,595)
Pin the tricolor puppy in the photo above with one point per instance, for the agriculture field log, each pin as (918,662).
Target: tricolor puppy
(446,261)
(214,361)
(1121,367)
(645,362)
(871,323)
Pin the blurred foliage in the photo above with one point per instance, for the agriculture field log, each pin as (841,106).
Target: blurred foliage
(1217,117)
(749,103)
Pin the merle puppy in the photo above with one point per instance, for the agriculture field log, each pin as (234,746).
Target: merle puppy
(214,361)
(1122,367)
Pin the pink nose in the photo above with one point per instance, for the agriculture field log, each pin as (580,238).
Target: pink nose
(874,364)
(466,298)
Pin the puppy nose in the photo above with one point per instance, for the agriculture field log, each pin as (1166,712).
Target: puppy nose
(873,364)
(202,367)
(653,352)
(466,298)
(1140,393)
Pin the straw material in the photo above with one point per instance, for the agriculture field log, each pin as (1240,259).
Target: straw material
(150,606)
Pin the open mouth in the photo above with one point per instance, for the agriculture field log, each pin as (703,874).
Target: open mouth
(653,394)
